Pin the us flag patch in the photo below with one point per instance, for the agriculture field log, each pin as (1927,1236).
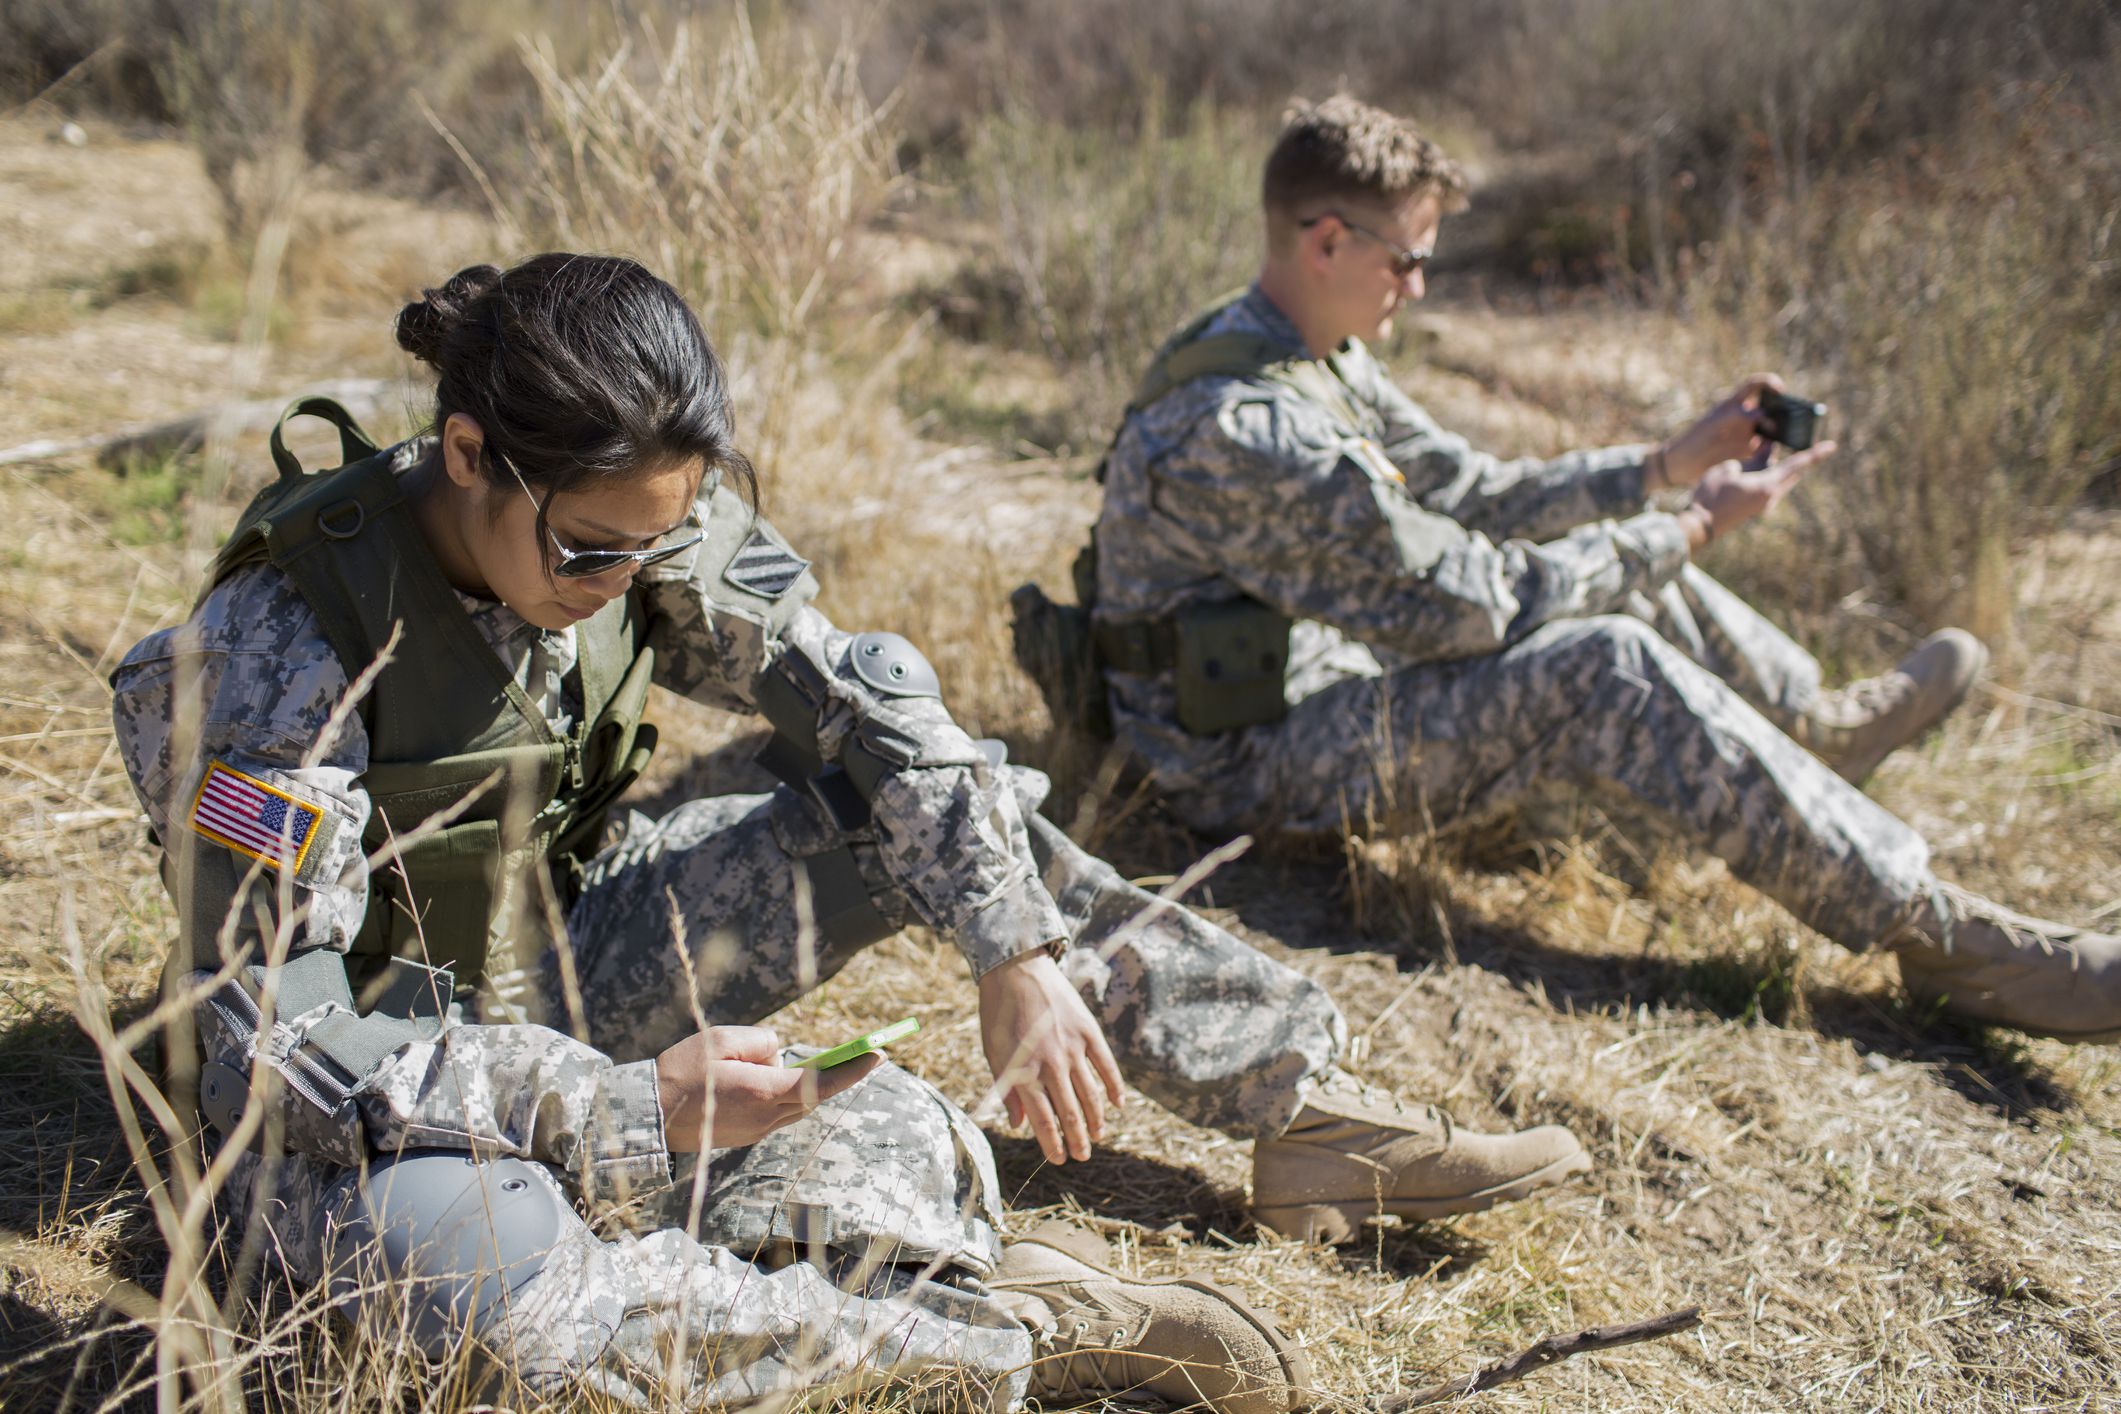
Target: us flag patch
(764,568)
(253,818)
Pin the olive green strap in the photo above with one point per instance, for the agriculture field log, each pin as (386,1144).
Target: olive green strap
(1140,646)
(846,916)
(354,443)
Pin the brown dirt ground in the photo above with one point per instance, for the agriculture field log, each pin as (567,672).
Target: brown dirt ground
(1876,1211)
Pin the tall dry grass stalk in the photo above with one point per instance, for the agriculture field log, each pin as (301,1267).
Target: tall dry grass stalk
(741,163)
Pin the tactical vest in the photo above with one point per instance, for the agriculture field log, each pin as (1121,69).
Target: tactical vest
(484,813)
(1228,659)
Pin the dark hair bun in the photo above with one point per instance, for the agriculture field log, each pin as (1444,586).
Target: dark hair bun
(425,325)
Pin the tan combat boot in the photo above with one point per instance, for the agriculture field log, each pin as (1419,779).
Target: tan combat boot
(1356,1152)
(1185,1341)
(1855,728)
(2005,969)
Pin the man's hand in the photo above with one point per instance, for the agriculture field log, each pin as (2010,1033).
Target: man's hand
(1048,1055)
(727,1086)
(1732,494)
(1728,431)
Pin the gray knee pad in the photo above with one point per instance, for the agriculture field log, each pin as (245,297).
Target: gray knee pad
(442,1237)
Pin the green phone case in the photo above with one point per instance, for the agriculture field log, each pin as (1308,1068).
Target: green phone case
(861,1045)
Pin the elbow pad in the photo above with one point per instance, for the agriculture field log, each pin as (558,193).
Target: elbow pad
(793,694)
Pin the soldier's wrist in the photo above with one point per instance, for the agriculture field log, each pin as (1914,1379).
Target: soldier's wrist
(1656,476)
(1699,525)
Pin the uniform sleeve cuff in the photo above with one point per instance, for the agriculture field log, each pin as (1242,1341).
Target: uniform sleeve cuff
(625,1153)
(1021,919)
(1626,478)
(1660,540)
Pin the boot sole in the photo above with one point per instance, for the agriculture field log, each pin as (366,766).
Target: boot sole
(2102,1037)
(1338,1224)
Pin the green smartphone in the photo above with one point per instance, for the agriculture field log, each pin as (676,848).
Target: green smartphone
(861,1045)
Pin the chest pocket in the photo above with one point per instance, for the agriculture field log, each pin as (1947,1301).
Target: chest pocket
(1422,537)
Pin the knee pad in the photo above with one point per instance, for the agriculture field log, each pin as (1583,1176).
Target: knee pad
(442,1237)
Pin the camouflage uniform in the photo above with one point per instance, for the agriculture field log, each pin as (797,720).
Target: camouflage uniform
(1437,666)
(698,909)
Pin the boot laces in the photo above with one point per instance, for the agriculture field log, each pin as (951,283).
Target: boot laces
(1377,1097)
(1082,1353)
(1964,906)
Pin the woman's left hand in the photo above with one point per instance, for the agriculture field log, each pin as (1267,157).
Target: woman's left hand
(1048,1055)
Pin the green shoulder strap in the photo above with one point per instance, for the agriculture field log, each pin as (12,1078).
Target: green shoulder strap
(354,444)
(1193,353)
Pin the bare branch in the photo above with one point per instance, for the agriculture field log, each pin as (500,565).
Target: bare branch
(1551,1350)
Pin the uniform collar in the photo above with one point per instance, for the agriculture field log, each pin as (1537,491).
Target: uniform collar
(1254,313)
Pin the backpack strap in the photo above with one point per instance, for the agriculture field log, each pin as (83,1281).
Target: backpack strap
(354,444)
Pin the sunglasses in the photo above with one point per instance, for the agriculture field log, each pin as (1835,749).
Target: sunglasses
(588,564)
(1404,262)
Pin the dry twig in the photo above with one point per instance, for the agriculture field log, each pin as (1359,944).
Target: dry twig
(1549,1351)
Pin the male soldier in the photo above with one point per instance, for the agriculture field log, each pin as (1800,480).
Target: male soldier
(1304,594)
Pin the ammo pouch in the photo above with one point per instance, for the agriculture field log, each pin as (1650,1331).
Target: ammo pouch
(1231,658)
(1226,660)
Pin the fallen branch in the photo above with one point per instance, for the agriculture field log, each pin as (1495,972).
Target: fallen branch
(180,435)
(1551,1350)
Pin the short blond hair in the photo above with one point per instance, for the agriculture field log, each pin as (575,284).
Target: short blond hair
(1342,149)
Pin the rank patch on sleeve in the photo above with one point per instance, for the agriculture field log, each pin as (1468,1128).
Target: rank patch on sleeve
(764,568)
(254,818)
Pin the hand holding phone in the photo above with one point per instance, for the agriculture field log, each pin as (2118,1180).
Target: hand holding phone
(725,1087)
(1792,421)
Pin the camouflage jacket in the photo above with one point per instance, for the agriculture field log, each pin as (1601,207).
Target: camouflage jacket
(1391,541)
(250,681)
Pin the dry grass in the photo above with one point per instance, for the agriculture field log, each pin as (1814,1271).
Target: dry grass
(1877,1211)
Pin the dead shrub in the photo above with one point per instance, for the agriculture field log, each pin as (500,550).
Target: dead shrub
(1092,245)
(740,163)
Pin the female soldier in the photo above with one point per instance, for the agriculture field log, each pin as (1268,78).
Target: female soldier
(375,898)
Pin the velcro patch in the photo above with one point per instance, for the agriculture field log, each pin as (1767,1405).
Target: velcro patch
(255,819)
(765,568)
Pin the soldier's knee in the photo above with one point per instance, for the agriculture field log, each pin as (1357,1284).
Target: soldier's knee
(1618,641)
(441,1241)
(1030,785)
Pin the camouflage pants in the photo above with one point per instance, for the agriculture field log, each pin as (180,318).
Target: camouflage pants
(695,915)
(662,1305)
(1607,707)
(1726,635)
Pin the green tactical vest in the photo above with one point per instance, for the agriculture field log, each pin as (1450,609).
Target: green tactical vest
(450,734)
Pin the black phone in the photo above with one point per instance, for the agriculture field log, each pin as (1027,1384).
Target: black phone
(1792,421)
